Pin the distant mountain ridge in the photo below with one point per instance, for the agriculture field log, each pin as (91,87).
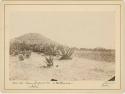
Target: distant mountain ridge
(33,38)
(36,38)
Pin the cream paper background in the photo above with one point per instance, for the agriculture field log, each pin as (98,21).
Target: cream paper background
(84,85)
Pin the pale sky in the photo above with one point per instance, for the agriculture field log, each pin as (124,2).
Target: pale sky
(79,29)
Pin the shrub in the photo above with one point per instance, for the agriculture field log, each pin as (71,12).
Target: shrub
(21,57)
(14,52)
(14,48)
(107,55)
(66,53)
(18,47)
(51,49)
(27,54)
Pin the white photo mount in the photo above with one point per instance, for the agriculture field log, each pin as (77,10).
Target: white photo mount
(11,11)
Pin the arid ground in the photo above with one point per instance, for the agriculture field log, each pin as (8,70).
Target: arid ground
(75,69)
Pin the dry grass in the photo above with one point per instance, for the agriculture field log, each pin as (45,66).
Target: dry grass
(107,56)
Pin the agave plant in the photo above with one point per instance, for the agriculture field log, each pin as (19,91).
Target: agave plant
(66,53)
(49,60)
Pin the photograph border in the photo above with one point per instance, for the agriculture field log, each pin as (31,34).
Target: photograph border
(59,4)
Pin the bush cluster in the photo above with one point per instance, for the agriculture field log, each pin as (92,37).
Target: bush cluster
(23,50)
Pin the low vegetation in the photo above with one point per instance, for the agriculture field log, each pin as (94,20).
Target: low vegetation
(51,49)
(21,57)
(66,53)
(107,55)
(49,60)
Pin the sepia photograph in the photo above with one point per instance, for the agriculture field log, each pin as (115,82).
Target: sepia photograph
(62,46)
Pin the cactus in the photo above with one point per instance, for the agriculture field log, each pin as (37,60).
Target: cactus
(49,60)
(66,53)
